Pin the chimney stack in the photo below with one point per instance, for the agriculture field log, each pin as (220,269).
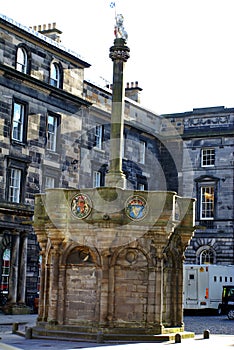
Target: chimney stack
(49,30)
(133,91)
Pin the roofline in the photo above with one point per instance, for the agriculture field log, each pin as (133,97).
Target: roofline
(201,111)
(46,40)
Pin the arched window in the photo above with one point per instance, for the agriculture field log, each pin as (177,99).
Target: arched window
(55,75)
(22,60)
(207,257)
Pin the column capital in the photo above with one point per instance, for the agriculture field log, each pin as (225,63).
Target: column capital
(119,51)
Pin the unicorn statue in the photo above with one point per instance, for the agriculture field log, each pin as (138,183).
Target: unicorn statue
(119,31)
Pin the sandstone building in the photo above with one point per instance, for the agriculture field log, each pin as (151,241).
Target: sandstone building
(55,131)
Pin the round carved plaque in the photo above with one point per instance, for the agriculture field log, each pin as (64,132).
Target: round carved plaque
(81,206)
(136,208)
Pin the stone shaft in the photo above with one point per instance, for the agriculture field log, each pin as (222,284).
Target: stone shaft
(119,53)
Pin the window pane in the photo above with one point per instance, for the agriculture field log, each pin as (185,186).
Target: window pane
(18,121)
(54,75)
(207,202)
(21,61)
(49,182)
(51,133)
(207,257)
(142,152)
(96,179)
(98,136)
(208,157)
(14,185)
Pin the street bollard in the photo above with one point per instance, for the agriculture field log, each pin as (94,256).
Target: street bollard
(206,334)
(28,332)
(178,338)
(100,337)
(15,327)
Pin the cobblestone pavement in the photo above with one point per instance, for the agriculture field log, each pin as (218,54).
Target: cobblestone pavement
(215,324)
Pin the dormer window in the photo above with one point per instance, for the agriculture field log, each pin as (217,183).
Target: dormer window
(55,75)
(22,60)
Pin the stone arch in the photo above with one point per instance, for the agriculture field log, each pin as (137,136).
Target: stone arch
(130,286)
(81,285)
(84,254)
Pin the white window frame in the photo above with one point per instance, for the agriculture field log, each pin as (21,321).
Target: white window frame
(18,121)
(207,157)
(207,202)
(142,146)
(52,127)
(15,185)
(98,136)
(21,60)
(49,182)
(206,257)
(96,179)
(55,75)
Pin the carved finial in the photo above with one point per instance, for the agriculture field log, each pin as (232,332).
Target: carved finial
(119,31)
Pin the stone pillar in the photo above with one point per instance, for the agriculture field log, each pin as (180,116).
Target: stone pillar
(22,268)
(159,290)
(42,296)
(13,275)
(119,53)
(54,280)
(180,295)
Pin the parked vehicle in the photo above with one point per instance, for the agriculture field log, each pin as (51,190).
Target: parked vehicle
(203,285)
(227,305)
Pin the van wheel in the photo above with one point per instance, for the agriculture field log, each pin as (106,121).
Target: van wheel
(219,311)
(230,314)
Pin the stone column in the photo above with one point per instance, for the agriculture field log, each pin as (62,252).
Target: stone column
(119,53)
(42,295)
(22,268)
(159,290)
(13,275)
(54,280)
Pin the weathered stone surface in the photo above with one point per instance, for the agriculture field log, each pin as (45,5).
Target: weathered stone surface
(107,271)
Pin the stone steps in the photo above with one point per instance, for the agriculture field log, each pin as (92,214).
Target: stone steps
(99,337)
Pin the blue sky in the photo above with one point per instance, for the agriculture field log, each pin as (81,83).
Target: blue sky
(181,50)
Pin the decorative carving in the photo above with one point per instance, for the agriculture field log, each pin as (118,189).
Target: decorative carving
(120,54)
(208,121)
(80,206)
(131,255)
(136,208)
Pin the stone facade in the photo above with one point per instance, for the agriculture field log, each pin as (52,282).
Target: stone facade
(208,140)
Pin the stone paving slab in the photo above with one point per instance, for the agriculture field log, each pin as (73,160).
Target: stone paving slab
(11,341)
(215,342)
